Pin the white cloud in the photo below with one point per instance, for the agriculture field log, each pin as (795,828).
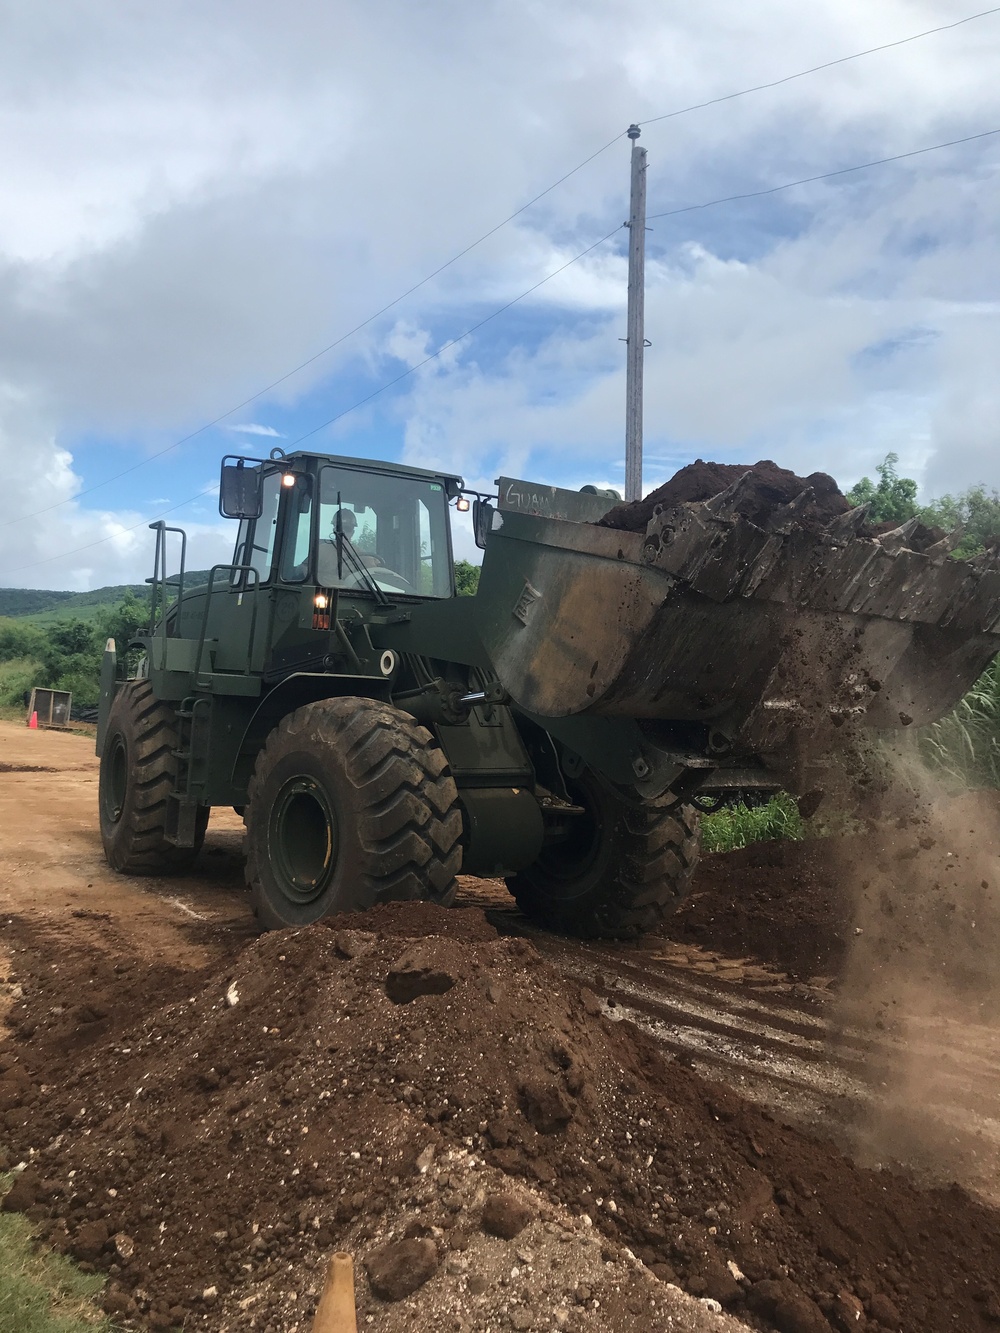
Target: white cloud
(49,540)
(198,198)
(254,428)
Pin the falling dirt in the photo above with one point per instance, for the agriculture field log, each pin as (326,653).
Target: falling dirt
(506,1132)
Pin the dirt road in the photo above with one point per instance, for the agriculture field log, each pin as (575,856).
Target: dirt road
(782,1042)
(53,868)
(768,1021)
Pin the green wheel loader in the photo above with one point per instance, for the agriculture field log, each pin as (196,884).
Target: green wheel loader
(559,729)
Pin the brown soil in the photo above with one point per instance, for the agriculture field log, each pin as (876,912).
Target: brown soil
(771,487)
(205,1115)
(921,890)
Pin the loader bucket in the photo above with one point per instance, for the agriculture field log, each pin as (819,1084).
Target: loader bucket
(787,625)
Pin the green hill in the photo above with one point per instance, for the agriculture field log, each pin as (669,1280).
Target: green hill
(74,606)
(44,606)
(29,601)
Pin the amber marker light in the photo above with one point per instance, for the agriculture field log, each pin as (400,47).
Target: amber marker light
(321,601)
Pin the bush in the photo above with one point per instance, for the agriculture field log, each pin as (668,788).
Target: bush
(18,639)
(893,499)
(16,676)
(466,578)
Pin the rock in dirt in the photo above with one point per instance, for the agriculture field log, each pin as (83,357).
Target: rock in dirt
(90,1240)
(124,1246)
(398,1269)
(25,1191)
(720,1285)
(847,1313)
(506,1216)
(353,943)
(787,1306)
(421,970)
(884,1313)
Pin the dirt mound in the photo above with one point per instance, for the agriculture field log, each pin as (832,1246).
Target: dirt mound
(367,1089)
(784,903)
(922,890)
(768,487)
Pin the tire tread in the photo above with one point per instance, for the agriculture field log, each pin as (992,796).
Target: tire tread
(408,821)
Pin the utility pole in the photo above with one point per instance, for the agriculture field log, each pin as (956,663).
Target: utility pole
(636,340)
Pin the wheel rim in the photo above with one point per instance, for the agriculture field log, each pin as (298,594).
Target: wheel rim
(565,863)
(303,840)
(116,785)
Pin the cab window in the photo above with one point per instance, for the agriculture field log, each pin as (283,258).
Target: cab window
(395,531)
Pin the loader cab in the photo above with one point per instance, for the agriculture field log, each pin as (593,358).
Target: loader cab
(357,527)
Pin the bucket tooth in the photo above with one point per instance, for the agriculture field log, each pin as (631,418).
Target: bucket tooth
(849,524)
(899,537)
(725,504)
(947,543)
(786,515)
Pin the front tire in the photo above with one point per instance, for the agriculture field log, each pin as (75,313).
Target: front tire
(625,867)
(138,773)
(351,804)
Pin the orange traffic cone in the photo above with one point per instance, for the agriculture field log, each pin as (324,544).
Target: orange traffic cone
(33,724)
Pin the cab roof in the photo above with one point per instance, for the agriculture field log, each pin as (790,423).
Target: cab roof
(378,465)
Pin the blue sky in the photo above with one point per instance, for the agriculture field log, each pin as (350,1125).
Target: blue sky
(197,199)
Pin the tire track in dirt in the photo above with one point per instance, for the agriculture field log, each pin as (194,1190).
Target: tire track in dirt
(785,1046)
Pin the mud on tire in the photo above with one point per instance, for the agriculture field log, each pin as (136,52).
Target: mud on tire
(351,804)
(138,771)
(626,866)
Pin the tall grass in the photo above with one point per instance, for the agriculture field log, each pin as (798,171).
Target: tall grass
(739,825)
(964,747)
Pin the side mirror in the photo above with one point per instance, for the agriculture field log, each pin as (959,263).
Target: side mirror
(482,521)
(241,493)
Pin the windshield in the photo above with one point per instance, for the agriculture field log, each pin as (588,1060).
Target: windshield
(398,526)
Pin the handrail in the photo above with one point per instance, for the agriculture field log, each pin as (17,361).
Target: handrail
(160,581)
(253,588)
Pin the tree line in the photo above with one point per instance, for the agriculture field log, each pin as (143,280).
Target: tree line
(893,499)
(65,655)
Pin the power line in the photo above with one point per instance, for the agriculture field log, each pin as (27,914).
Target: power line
(143,523)
(826,175)
(688,208)
(354,406)
(681,111)
(711,203)
(815,69)
(410,370)
(185,439)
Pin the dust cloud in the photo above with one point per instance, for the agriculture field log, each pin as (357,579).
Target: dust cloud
(920,993)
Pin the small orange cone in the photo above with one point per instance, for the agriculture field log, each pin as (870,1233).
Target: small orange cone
(33,724)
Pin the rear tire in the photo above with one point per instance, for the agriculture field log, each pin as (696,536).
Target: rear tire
(138,772)
(626,867)
(351,804)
